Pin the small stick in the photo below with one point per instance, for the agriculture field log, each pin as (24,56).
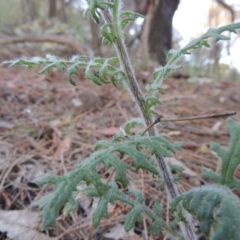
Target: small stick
(216,115)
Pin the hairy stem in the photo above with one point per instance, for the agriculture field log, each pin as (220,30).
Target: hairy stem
(187,229)
(137,93)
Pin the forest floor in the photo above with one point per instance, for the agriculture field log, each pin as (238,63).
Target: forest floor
(49,126)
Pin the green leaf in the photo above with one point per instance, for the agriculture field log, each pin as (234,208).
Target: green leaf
(133,216)
(174,56)
(138,194)
(132,147)
(154,87)
(120,169)
(150,102)
(139,159)
(107,32)
(72,205)
(230,158)
(94,8)
(133,123)
(100,212)
(176,167)
(163,72)
(129,17)
(63,194)
(99,70)
(216,208)
(158,224)
(90,191)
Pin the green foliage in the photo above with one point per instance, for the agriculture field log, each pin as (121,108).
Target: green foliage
(95,6)
(216,208)
(174,56)
(131,124)
(230,158)
(127,17)
(109,154)
(99,70)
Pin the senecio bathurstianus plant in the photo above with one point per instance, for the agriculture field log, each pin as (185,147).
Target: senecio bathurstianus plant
(215,207)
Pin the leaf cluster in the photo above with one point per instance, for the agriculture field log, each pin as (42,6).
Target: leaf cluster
(99,70)
(174,56)
(215,207)
(230,158)
(110,154)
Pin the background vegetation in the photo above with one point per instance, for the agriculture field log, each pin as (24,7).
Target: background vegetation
(33,21)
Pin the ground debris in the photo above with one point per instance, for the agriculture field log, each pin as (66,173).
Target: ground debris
(42,130)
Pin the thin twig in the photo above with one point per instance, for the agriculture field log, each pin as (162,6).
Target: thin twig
(216,115)
(90,233)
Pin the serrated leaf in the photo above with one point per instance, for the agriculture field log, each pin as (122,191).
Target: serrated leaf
(100,212)
(139,159)
(52,203)
(230,158)
(215,207)
(174,55)
(90,191)
(128,17)
(154,87)
(90,75)
(158,224)
(150,102)
(94,9)
(108,33)
(176,167)
(118,137)
(138,194)
(72,205)
(132,147)
(133,216)
(120,168)
(163,72)
(132,123)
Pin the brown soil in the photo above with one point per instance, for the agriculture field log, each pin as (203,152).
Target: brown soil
(43,130)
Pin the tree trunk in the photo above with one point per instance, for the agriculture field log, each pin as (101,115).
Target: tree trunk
(63,14)
(52,4)
(160,36)
(143,46)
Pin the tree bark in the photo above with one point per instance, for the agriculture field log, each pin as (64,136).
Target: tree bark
(63,14)
(160,36)
(52,4)
(143,46)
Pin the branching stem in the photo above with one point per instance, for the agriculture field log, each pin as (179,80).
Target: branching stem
(187,229)
(136,91)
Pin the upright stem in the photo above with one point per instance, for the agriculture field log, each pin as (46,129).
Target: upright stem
(140,100)
(137,93)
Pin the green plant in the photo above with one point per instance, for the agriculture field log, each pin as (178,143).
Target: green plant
(212,200)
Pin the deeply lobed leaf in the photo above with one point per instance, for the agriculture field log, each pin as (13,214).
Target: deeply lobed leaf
(230,158)
(99,70)
(65,186)
(216,208)
(174,56)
